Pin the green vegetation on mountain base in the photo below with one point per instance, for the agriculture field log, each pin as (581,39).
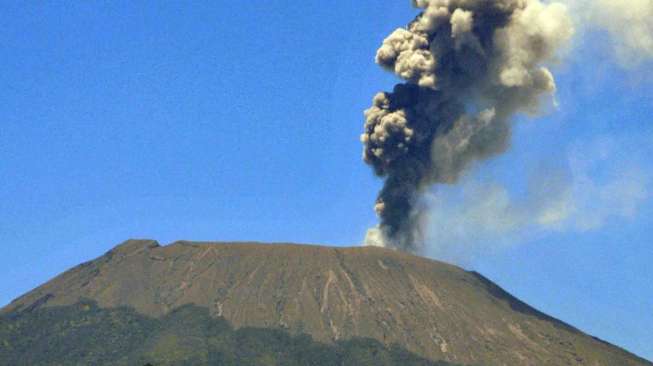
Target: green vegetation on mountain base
(84,334)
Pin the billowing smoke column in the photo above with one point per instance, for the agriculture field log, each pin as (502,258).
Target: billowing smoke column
(468,66)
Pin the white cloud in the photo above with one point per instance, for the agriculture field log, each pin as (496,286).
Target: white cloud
(628,22)
(599,184)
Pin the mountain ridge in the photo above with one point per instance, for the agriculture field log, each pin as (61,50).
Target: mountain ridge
(431,308)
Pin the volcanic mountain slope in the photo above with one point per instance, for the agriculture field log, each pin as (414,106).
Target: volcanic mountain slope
(84,334)
(435,310)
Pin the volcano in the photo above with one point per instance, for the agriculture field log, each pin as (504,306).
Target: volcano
(431,310)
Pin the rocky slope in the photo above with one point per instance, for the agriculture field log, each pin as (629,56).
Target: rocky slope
(433,309)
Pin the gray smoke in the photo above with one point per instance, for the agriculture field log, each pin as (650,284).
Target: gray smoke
(468,66)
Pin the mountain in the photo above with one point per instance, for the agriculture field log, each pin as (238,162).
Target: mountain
(85,334)
(400,306)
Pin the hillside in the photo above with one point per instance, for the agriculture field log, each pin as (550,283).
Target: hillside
(431,309)
(84,334)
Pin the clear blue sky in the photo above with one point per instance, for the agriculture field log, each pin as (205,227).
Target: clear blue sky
(240,121)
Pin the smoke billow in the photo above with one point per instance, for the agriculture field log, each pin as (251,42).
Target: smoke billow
(468,66)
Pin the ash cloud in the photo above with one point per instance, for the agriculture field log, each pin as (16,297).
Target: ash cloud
(468,67)
(629,23)
(574,198)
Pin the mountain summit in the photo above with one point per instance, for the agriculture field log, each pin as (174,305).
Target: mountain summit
(432,309)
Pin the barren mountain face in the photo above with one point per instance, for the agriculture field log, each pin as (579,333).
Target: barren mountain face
(430,308)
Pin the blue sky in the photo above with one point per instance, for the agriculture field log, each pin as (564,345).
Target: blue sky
(222,122)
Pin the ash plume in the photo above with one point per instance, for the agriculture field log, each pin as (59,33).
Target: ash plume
(482,215)
(468,66)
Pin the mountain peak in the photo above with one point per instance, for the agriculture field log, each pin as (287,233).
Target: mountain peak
(134,245)
(434,309)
